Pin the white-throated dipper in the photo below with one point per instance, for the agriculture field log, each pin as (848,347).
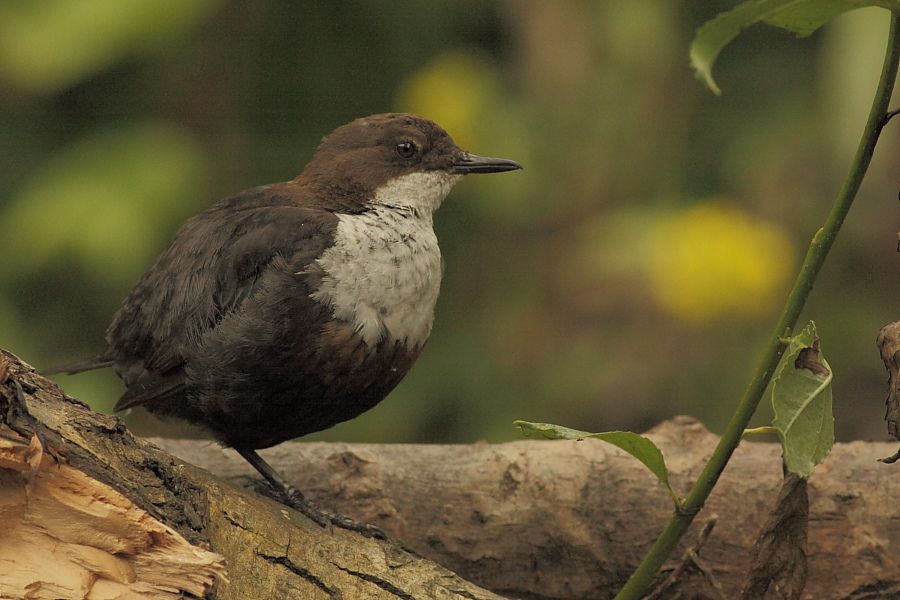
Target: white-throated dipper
(291,307)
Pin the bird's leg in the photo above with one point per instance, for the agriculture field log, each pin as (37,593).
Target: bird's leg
(295,499)
(290,495)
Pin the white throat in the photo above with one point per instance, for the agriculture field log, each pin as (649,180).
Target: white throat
(383,273)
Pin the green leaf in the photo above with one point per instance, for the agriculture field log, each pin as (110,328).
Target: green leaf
(801,398)
(801,17)
(636,445)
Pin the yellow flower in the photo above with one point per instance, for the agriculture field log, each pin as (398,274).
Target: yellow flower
(451,90)
(713,259)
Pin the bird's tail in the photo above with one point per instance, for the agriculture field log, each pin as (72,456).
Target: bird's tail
(98,362)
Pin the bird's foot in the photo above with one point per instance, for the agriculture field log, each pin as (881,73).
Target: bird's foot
(292,497)
(345,522)
(296,500)
(323,518)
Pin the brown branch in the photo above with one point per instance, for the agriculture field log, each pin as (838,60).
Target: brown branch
(528,519)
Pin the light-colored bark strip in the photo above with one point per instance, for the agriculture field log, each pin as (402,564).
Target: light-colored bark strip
(67,535)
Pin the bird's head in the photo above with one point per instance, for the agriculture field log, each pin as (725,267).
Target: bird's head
(395,159)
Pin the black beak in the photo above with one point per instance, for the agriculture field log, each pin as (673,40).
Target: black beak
(469,163)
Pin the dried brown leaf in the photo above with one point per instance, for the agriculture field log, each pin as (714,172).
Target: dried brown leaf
(889,345)
(778,569)
(811,359)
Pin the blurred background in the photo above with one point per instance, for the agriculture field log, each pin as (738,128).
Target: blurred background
(630,273)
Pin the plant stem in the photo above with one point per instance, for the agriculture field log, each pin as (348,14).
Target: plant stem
(821,243)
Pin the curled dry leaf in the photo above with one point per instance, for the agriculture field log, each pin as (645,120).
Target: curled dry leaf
(889,345)
(779,567)
(811,359)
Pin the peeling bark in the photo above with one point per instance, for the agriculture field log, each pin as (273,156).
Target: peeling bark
(66,535)
(532,520)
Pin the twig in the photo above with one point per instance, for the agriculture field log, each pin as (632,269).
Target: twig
(709,576)
(691,557)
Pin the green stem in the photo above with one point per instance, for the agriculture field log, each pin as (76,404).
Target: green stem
(821,243)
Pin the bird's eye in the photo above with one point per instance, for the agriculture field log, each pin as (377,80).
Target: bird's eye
(407,149)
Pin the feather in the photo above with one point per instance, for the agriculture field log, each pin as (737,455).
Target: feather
(98,362)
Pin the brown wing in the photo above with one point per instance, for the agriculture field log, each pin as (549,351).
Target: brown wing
(209,271)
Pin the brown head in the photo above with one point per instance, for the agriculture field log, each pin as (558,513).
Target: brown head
(400,151)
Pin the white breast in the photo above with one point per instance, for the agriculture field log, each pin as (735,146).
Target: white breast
(383,273)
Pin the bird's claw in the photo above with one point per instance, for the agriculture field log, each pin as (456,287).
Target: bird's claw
(298,502)
(323,518)
(345,522)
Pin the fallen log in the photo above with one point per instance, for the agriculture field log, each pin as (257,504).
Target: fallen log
(90,511)
(528,519)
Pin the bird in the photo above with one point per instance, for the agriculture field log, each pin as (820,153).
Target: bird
(285,309)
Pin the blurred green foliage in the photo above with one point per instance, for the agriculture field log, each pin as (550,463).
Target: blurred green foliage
(49,44)
(629,274)
(111,190)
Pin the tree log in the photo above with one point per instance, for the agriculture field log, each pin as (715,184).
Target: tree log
(529,519)
(90,511)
